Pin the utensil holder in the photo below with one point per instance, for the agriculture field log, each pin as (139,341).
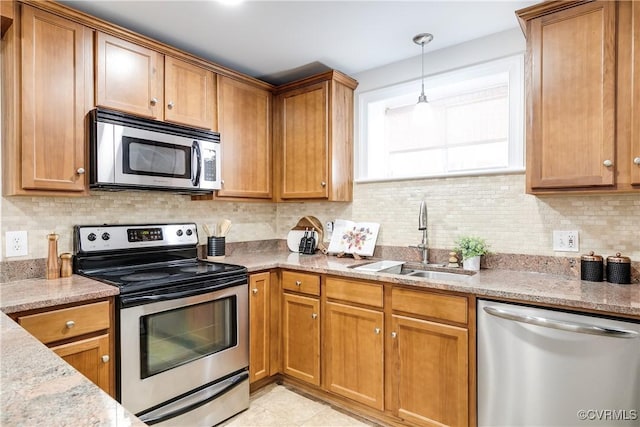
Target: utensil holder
(215,246)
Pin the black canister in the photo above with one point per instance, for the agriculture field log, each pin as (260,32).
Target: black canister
(619,269)
(215,246)
(591,267)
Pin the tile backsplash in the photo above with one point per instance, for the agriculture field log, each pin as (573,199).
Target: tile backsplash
(494,207)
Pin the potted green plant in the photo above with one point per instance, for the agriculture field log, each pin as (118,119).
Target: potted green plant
(471,248)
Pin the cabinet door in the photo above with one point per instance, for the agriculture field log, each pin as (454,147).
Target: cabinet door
(129,77)
(304,144)
(301,338)
(430,372)
(571,111)
(353,354)
(635,116)
(56,85)
(259,331)
(91,358)
(189,93)
(244,119)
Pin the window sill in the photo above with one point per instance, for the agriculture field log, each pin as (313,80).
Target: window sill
(512,171)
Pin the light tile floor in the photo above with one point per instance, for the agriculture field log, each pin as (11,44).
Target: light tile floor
(278,406)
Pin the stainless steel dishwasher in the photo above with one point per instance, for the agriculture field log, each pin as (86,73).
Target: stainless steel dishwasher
(542,367)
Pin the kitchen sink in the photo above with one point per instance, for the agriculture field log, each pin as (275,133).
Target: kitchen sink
(437,275)
(428,271)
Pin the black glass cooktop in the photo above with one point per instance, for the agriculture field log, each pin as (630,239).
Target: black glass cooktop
(150,276)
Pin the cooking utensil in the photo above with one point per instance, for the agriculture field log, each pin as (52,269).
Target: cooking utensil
(225,226)
(205,227)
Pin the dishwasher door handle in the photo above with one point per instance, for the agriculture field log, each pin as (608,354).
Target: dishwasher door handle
(581,328)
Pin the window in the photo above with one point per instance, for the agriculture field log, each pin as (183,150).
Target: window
(472,124)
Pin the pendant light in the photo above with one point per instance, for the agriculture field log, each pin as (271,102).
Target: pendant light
(422,39)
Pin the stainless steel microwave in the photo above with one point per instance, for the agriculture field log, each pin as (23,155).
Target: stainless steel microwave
(128,152)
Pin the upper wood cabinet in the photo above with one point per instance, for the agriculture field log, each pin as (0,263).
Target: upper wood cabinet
(314,138)
(632,43)
(244,120)
(129,77)
(189,92)
(579,104)
(47,88)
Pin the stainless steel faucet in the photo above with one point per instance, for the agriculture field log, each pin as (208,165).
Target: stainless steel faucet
(422,225)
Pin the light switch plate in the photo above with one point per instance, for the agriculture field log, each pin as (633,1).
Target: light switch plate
(566,241)
(16,243)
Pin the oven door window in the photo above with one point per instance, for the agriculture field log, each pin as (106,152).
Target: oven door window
(172,338)
(153,158)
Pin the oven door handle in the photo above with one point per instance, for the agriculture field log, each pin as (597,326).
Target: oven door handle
(193,401)
(129,301)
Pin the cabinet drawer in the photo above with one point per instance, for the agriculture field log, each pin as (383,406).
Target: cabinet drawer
(352,291)
(301,282)
(445,307)
(67,322)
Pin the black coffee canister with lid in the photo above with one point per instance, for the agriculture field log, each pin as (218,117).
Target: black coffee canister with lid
(619,269)
(591,267)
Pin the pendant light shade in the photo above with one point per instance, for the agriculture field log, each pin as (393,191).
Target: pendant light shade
(422,39)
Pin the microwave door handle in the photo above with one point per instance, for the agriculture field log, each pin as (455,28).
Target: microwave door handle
(195,179)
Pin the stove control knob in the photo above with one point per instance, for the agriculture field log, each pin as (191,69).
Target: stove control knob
(105,236)
(179,233)
(189,232)
(91,237)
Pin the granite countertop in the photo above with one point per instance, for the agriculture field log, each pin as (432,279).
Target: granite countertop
(528,287)
(36,386)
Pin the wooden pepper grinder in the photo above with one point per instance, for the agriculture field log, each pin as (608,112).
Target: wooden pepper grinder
(53,266)
(66,268)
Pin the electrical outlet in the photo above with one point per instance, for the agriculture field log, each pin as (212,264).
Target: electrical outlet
(16,243)
(566,241)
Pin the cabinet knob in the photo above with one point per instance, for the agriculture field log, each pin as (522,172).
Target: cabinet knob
(607,163)
(153,101)
(377,331)
(394,334)
(254,290)
(298,283)
(70,324)
(636,161)
(314,316)
(170,105)
(80,171)
(105,358)
(222,182)
(324,184)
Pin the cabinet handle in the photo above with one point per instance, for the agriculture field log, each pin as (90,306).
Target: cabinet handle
(636,161)
(254,290)
(394,334)
(324,184)
(70,324)
(298,283)
(153,101)
(80,171)
(105,358)
(314,316)
(607,163)
(170,105)
(377,331)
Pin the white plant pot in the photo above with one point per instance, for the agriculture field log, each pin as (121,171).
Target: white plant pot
(472,263)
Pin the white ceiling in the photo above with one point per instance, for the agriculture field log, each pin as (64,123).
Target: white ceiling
(280,41)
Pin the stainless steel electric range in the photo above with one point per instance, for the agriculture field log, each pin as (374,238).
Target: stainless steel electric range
(182,324)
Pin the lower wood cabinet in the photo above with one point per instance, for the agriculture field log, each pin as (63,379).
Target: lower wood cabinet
(301,337)
(430,372)
(81,335)
(353,353)
(259,331)
(90,356)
